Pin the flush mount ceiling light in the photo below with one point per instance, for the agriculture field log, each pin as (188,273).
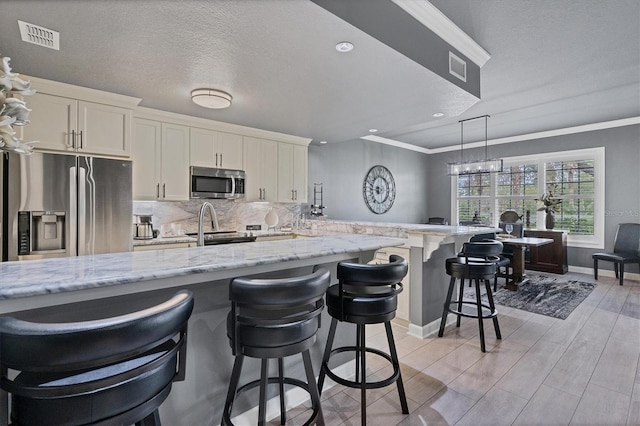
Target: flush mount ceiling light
(211,98)
(438,114)
(344,47)
(477,166)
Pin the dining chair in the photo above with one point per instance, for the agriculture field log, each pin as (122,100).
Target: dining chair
(626,249)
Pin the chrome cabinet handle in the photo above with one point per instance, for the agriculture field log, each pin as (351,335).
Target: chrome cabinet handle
(164,192)
(81,140)
(216,159)
(295,198)
(292,197)
(158,190)
(220,159)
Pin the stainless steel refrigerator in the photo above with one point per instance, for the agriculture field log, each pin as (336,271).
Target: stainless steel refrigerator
(65,205)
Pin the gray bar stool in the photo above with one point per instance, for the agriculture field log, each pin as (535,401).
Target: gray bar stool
(477,261)
(273,319)
(365,294)
(102,372)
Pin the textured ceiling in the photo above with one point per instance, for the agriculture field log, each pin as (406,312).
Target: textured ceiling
(554,64)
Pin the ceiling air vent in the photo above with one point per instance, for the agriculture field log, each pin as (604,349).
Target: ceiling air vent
(457,67)
(39,35)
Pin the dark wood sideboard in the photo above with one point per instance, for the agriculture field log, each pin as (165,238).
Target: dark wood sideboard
(549,257)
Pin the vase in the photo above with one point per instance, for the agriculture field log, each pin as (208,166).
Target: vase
(550,220)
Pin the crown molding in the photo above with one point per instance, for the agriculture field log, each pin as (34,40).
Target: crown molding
(431,17)
(50,87)
(395,143)
(219,126)
(511,139)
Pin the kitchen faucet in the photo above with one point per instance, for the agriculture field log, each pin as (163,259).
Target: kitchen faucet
(214,221)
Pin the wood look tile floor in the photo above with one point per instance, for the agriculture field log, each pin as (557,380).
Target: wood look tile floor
(583,370)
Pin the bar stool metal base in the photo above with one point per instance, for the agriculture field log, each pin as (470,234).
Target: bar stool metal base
(360,351)
(309,387)
(483,310)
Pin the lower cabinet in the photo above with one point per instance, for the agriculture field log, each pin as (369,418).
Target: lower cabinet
(163,246)
(382,256)
(549,257)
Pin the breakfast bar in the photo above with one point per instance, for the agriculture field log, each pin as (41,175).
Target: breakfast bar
(86,287)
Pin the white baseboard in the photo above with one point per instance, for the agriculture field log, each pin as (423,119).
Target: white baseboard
(293,397)
(430,329)
(604,273)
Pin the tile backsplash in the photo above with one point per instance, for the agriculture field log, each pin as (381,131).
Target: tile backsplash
(233,215)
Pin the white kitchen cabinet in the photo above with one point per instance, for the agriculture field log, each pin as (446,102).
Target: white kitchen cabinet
(160,161)
(292,173)
(215,149)
(65,124)
(163,246)
(382,256)
(260,162)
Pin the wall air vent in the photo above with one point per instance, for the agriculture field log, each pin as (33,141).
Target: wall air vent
(457,67)
(39,35)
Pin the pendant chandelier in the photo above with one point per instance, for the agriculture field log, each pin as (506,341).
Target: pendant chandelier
(475,166)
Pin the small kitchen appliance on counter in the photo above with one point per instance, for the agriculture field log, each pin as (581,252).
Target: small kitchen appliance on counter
(142,227)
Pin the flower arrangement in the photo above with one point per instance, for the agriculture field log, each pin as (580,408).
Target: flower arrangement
(549,202)
(13,111)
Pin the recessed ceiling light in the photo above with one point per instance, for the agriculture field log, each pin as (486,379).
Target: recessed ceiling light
(373,130)
(438,114)
(344,47)
(323,142)
(211,98)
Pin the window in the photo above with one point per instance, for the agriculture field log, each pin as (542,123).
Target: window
(517,189)
(573,181)
(474,192)
(577,177)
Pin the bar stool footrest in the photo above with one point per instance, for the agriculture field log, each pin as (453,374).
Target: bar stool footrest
(274,380)
(490,314)
(368,385)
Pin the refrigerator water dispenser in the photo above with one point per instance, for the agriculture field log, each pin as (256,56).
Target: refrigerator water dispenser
(41,232)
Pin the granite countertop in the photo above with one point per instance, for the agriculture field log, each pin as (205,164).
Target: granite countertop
(47,276)
(400,230)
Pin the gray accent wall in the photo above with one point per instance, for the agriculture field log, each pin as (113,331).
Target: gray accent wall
(622,177)
(423,185)
(341,169)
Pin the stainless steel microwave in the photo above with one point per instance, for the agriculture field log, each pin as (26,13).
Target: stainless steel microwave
(208,182)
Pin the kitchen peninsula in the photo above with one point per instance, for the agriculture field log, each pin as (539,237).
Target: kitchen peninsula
(86,287)
(426,247)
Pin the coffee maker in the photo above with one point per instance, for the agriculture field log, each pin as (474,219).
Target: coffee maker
(142,227)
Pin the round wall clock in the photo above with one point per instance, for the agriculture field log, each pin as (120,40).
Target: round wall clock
(379,189)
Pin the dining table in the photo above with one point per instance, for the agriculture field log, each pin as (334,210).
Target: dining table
(520,245)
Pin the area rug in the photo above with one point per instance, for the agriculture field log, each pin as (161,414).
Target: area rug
(550,296)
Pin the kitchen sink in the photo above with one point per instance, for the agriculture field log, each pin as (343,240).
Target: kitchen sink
(224,237)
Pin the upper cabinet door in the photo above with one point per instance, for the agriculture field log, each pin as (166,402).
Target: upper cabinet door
(69,125)
(203,148)
(146,156)
(175,163)
(260,162)
(300,172)
(285,175)
(53,119)
(229,151)
(215,149)
(292,173)
(106,129)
